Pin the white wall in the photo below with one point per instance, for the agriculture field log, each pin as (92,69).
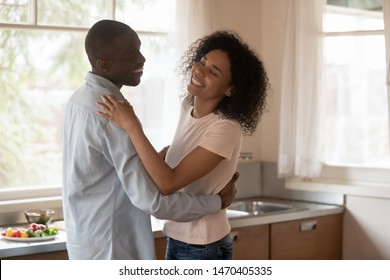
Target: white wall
(366,228)
(261,23)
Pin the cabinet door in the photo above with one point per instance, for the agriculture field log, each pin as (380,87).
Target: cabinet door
(160,244)
(58,255)
(251,243)
(315,238)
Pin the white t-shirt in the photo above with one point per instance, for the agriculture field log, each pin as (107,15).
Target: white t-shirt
(222,137)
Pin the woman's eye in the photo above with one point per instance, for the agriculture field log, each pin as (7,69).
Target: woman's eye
(213,73)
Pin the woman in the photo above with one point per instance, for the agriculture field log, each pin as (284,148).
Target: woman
(226,92)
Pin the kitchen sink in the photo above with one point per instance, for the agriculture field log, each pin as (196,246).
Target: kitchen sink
(258,207)
(236,213)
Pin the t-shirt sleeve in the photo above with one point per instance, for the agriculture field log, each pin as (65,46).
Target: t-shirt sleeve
(222,138)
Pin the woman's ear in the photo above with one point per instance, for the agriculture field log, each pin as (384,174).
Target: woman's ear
(228,93)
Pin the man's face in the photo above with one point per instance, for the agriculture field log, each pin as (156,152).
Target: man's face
(127,61)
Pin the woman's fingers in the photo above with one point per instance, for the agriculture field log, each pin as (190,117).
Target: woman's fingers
(109,106)
(111,99)
(112,106)
(103,106)
(108,100)
(111,102)
(103,115)
(106,108)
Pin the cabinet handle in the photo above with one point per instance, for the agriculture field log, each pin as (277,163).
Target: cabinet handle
(234,235)
(307,226)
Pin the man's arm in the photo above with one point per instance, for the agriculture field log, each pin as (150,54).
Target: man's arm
(229,192)
(144,194)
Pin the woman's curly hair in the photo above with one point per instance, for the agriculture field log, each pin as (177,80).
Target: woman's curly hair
(249,79)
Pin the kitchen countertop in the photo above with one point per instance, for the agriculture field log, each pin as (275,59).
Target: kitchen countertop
(307,210)
(12,249)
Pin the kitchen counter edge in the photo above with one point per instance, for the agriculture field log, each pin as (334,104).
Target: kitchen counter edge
(11,249)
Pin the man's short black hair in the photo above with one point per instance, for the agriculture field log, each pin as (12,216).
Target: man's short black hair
(100,39)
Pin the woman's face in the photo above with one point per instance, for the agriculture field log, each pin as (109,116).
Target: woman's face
(211,77)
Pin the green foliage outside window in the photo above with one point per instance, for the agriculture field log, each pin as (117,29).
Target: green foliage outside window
(42,62)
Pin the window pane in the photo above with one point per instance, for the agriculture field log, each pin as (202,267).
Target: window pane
(368,5)
(156,99)
(14,11)
(357,131)
(146,15)
(71,12)
(42,70)
(354,18)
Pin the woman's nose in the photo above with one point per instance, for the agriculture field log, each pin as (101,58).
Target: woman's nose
(199,70)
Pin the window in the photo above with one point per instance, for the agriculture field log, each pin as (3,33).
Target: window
(354,143)
(43,63)
(357,125)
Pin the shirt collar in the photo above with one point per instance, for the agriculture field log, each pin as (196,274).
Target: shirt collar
(100,81)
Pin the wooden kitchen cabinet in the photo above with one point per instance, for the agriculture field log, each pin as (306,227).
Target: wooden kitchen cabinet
(160,244)
(57,255)
(318,238)
(251,243)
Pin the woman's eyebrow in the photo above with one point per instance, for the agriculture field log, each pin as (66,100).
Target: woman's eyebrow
(214,66)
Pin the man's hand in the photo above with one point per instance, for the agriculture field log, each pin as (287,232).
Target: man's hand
(229,192)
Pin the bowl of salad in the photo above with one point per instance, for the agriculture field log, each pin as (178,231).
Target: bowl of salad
(39,216)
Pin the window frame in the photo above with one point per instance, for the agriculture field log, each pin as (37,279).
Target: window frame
(362,181)
(14,200)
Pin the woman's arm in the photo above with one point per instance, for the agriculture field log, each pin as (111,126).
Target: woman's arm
(163,152)
(195,165)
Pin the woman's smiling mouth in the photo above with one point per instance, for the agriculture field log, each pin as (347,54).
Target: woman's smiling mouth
(196,82)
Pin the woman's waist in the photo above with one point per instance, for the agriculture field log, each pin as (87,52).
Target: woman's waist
(204,230)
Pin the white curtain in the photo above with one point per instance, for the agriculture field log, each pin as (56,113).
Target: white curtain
(301,123)
(193,21)
(386,17)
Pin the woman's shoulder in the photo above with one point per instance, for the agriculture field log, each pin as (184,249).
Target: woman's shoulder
(186,99)
(186,105)
(227,124)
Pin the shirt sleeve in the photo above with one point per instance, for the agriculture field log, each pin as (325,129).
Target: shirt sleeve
(140,188)
(222,138)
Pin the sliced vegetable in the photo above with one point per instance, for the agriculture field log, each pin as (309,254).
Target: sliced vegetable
(9,232)
(32,230)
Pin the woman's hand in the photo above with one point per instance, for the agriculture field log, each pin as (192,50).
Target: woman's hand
(119,112)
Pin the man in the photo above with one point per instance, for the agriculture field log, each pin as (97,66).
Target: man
(107,195)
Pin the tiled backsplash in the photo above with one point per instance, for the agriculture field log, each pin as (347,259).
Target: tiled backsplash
(249,182)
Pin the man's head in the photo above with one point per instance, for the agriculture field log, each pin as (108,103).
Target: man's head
(113,50)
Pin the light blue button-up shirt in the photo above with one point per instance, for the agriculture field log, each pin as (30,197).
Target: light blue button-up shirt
(107,195)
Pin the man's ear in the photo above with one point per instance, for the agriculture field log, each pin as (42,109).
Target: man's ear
(103,65)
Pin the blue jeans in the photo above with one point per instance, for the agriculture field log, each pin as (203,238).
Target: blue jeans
(218,250)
